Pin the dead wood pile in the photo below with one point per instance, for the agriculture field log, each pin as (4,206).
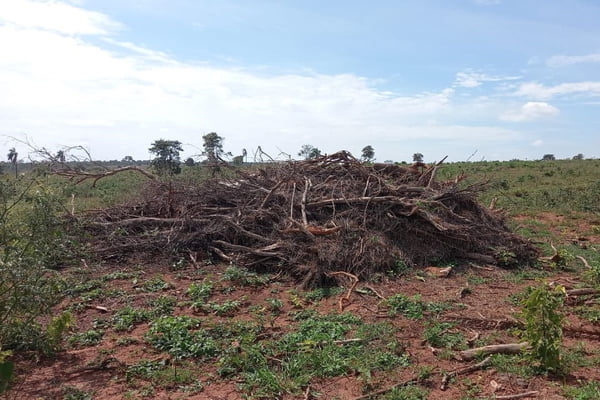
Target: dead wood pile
(313,217)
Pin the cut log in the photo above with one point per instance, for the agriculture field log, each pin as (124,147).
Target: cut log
(509,348)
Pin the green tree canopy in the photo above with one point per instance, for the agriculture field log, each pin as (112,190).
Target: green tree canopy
(368,153)
(548,157)
(213,146)
(308,152)
(417,157)
(578,156)
(167,160)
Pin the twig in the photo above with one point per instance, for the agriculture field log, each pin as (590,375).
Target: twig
(387,389)
(270,194)
(345,298)
(307,393)
(375,292)
(517,396)
(220,253)
(461,371)
(247,249)
(584,261)
(246,232)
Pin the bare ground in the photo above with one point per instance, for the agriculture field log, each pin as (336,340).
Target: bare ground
(486,310)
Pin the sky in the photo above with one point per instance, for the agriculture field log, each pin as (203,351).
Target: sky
(467,79)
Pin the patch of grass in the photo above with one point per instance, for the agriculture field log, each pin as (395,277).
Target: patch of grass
(413,307)
(126,318)
(200,293)
(127,340)
(274,305)
(409,392)
(163,305)
(473,279)
(155,284)
(322,293)
(221,309)
(83,287)
(517,365)
(86,339)
(180,337)
(526,274)
(243,277)
(590,313)
(586,391)
(318,347)
(439,334)
(119,275)
(410,307)
(73,393)
(163,375)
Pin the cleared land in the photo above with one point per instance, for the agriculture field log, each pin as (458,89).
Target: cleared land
(197,328)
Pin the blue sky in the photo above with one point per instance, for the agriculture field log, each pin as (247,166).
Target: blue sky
(508,79)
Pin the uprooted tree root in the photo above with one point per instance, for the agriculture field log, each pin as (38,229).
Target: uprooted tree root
(314,217)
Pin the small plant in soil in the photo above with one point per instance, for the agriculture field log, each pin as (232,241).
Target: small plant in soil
(243,277)
(73,393)
(162,374)
(319,294)
(126,318)
(410,392)
(222,309)
(200,292)
(87,338)
(155,284)
(410,307)
(543,326)
(440,335)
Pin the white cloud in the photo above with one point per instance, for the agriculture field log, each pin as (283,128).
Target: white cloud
(537,143)
(117,97)
(562,60)
(530,111)
(538,91)
(471,79)
(55,16)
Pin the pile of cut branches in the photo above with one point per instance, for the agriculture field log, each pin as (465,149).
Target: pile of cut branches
(314,217)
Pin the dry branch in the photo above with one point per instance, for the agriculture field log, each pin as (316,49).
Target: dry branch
(347,216)
(518,395)
(466,370)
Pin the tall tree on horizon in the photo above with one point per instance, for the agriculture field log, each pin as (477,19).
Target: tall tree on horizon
(12,158)
(167,160)
(368,154)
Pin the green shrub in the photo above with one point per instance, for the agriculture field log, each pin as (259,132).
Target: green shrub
(33,242)
(543,325)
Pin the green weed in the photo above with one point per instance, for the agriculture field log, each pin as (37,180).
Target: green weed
(587,391)
(243,277)
(126,318)
(439,334)
(176,336)
(321,293)
(86,339)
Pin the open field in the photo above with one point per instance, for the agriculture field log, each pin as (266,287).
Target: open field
(200,329)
